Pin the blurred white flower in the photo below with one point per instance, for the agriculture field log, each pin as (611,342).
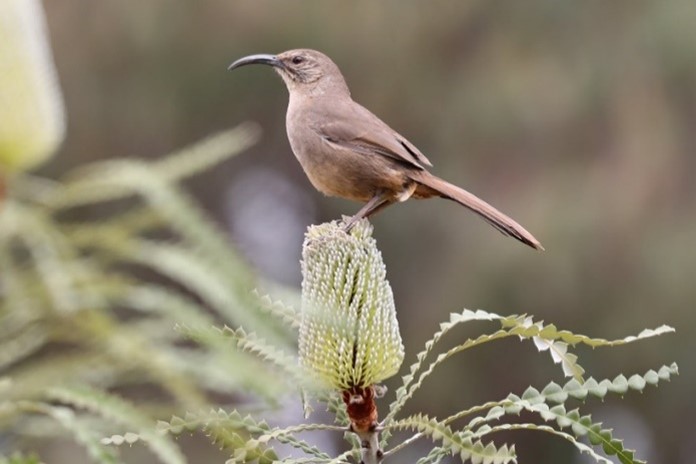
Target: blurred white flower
(32,121)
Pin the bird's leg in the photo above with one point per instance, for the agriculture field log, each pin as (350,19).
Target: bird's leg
(379,201)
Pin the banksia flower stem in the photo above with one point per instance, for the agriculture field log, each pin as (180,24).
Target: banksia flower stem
(349,335)
(362,412)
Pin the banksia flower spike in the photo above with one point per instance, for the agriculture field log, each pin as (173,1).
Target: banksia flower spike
(349,335)
(31,106)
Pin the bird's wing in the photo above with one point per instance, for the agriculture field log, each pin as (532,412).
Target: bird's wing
(355,127)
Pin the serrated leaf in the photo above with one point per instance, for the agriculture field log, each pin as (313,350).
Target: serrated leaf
(121,412)
(665,372)
(251,343)
(80,430)
(543,428)
(595,389)
(619,385)
(408,388)
(532,394)
(554,393)
(456,442)
(575,389)
(559,354)
(636,382)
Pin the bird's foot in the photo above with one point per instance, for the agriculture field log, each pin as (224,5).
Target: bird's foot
(349,223)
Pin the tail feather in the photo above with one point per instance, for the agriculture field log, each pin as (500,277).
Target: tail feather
(503,223)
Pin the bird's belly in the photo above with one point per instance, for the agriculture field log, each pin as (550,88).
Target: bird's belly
(340,172)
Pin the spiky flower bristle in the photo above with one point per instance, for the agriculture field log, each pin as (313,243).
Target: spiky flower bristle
(349,335)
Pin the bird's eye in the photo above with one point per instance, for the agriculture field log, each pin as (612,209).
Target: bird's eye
(297,60)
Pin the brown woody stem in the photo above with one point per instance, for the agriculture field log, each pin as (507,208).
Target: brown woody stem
(362,412)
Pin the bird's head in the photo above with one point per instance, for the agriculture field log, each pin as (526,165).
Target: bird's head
(304,70)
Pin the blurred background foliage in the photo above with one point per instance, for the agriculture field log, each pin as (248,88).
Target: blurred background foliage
(576,118)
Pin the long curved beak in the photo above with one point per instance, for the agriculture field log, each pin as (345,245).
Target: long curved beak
(262,58)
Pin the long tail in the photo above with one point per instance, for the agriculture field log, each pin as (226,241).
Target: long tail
(507,226)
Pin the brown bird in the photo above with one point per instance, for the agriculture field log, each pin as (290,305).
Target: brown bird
(348,152)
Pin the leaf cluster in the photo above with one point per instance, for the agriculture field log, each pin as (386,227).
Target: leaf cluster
(466,433)
(97,269)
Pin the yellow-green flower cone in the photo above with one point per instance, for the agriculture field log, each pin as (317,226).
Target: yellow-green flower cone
(349,335)
(32,122)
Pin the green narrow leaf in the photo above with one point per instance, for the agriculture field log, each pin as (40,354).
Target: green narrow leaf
(123,413)
(462,443)
(83,184)
(21,345)
(528,329)
(286,435)
(276,308)
(407,390)
(560,355)
(80,430)
(455,319)
(582,426)
(540,403)
(52,257)
(19,458)
(583,448)
(250,343)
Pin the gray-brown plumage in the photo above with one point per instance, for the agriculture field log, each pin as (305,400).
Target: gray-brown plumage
(346,151)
